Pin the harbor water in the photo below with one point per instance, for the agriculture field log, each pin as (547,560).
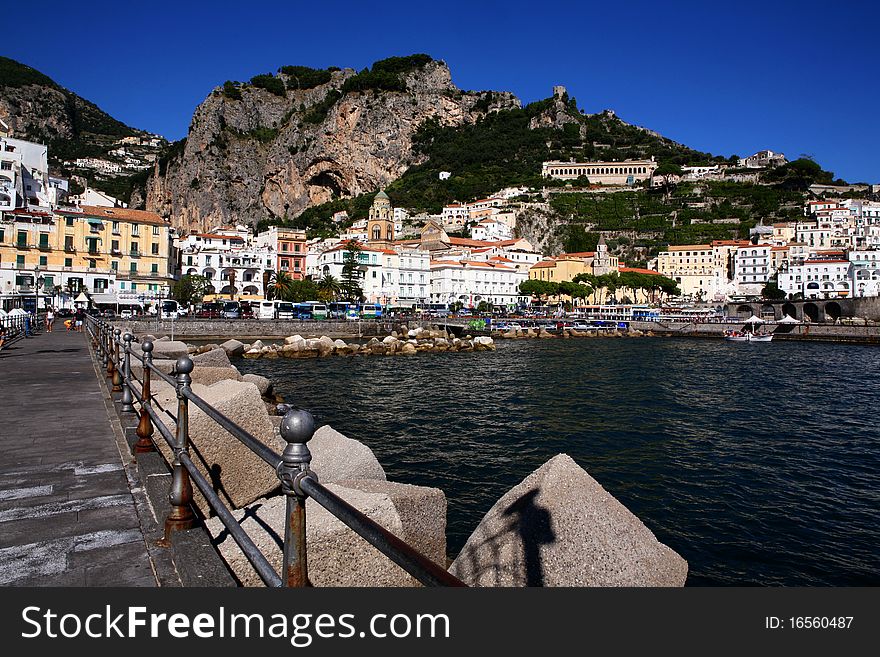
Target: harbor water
(758,463)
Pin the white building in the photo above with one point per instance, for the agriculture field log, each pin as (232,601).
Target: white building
(762,159)
(627,172)
(392,277)
(473,281)
(865,272)
(24,175)
(491,230)
(102,166)
(230,259)
(818,279)
(752,267)
(91,196)
(455,214)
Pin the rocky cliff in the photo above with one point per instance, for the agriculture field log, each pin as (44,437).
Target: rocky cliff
(269,151)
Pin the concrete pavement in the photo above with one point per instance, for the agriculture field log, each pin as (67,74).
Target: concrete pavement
(67,513)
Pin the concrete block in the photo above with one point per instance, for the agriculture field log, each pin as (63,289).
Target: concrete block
(336,555)
(336,457)
(237,474)
(211,375)
(263,384)
(214,358)
(172,349)
(559,527)
(233,348)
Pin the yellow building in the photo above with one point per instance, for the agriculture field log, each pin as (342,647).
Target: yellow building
(115,255)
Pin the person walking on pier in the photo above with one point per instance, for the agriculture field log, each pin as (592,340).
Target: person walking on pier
(50,319)
(79,317)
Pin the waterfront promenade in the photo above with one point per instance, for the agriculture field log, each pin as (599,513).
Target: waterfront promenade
(67,513)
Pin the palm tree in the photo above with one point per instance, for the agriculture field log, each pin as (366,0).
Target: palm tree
(329,287)
(279,286)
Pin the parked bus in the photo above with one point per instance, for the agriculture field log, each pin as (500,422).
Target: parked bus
(340,309)
(371,310)
(285,310)
(317,309)
(231,310)
(265,309)
(170,309)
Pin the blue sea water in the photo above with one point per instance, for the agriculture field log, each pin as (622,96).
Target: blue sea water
(758,463)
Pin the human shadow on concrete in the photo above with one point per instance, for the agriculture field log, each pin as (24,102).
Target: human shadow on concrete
(533,525)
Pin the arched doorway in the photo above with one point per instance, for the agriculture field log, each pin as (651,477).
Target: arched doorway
(811,310)
(744,309)
(768,311)
(790,309)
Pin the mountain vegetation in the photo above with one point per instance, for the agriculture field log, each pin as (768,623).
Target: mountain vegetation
(40,110)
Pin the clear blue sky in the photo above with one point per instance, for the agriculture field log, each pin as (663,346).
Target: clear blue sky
(800,77)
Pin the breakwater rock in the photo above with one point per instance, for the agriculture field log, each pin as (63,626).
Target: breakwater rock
(559,527)
(543,333)
(415,342)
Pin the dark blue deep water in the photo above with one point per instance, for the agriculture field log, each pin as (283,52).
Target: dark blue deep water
(759,463)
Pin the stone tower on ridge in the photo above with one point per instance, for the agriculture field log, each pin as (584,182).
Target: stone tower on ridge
(601,261)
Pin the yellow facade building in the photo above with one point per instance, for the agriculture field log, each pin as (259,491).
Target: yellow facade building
(114,255)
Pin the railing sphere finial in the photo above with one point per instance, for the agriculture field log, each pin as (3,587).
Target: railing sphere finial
(184,365)
(298,426)
(147,346)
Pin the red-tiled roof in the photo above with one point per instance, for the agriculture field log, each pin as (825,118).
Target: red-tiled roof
(639,270)
(124,214)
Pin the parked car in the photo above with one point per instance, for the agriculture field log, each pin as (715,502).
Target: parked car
(126,314)
(247,310)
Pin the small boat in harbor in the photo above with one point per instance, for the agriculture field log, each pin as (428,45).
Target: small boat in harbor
(747,336)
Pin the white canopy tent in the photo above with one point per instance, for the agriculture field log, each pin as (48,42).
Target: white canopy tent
(788,319)
(754,319)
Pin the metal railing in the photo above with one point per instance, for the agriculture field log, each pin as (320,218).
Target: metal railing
(298,482)
(17,327)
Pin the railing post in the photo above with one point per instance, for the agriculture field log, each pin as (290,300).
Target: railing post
(144,429)
(117,374)
(102,341)
(181,515)
(127,397)
(297,428)
(108,341)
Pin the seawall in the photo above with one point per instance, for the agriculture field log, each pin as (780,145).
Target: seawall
(223,329)
(811,332)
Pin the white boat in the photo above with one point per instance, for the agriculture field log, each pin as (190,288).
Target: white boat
(747,336)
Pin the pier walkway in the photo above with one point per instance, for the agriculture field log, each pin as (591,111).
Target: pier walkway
(67,513)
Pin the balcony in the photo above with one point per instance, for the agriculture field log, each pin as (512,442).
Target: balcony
(116,252)
(69,248)
(135,254)
(23,245)
(44,247)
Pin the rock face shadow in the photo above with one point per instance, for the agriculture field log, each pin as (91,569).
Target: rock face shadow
(533,524)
